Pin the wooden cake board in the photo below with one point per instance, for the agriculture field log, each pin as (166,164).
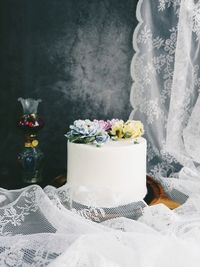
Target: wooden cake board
(157,195)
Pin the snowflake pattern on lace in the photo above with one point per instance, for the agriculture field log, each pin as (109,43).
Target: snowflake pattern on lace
(162,63)
(15,215)
(196,20)
(11,257)
(19,255)
(91,213)
(163,4)
(145,36)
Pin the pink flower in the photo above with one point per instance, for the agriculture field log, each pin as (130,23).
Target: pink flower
(102,124)
(106,125)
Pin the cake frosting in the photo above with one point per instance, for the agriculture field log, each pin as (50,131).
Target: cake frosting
(108,176)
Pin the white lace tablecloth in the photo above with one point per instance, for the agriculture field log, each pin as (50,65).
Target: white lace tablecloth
(38,229)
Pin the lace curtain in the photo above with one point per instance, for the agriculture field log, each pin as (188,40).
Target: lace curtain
(39,227)
(165,92)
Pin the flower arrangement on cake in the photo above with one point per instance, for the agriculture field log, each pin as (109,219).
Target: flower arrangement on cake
(99,131)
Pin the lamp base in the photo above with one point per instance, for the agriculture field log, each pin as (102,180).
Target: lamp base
(31,160)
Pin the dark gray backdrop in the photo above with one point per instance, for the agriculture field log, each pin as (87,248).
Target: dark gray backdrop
(76,56)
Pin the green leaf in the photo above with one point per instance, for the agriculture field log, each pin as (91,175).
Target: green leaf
(88,140)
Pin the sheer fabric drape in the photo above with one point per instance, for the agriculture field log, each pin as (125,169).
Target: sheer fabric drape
(165,92)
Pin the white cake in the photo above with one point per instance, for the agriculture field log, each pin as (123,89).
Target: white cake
(107,176)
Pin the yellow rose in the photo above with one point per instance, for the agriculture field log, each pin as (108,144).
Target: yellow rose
(133,129)
(117,129)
